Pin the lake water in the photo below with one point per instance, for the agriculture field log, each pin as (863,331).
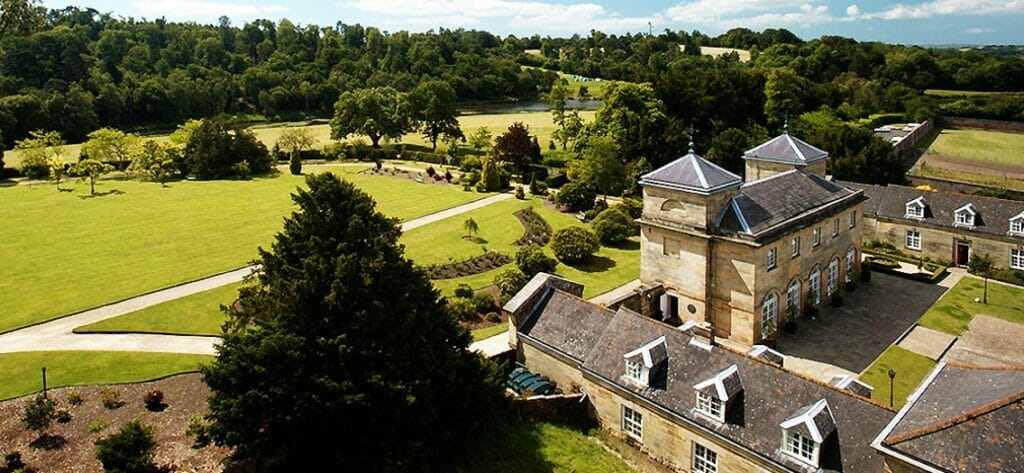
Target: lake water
(535,106)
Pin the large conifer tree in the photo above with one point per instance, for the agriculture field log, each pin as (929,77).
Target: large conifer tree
(341,356)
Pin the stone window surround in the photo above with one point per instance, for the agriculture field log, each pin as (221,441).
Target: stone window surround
(912,239)
(816,237)
(773,259)
(632,423)
(705,460)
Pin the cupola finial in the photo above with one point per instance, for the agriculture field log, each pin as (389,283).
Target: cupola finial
(692,132)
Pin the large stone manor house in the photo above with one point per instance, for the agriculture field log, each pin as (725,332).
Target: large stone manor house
(742,255)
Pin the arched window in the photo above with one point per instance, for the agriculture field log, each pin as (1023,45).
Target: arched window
(769,315)
(851,264)
(814,280)
(672,205)
(833,276)
(793,299)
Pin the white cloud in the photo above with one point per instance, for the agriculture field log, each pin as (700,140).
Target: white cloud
(979,30)
(203,9)
(532,15)
(948,7)
(754,14)
(852,10)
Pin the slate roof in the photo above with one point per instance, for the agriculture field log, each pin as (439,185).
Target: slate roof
(770,395)
(993,215)
(567,323)
(765,204)
(691,173)
(964,419)
(786,149)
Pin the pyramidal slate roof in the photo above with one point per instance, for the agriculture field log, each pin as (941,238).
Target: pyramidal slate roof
(692,173)
(786,149)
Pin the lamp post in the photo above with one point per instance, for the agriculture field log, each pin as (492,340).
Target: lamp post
(892,379)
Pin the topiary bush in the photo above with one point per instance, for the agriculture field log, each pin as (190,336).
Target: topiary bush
(613,227)
(576,197)
(510,281)
(574,244)
(129,450)
(532,260)
(111,398)
(463,290)
(295,164)
(154,400)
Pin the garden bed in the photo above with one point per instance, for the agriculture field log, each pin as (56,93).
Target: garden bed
(538,231)
(889,263)
(468,267)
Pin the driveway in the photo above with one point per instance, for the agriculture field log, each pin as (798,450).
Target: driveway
(873,317)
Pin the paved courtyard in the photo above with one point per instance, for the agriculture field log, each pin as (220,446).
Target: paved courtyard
(873,317)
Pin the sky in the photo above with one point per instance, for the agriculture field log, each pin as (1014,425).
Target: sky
(925,22)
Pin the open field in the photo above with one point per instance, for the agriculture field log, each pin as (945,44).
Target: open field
(910,369)
(955,310)
(65,252)
(964,93)
(539,122)
(987,157)
(21,372)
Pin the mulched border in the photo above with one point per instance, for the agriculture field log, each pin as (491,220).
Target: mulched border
(468,267)
(537,230)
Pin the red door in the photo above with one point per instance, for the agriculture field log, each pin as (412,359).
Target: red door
(963,253)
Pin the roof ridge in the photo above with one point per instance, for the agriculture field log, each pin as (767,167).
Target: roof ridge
(953,421)
(695,162)
(773,176)
(792,144)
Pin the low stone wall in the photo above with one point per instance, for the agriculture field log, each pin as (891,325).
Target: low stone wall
(946,185)
(914,137)
(998,125)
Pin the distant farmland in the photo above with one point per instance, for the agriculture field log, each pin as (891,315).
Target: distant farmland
(985,157)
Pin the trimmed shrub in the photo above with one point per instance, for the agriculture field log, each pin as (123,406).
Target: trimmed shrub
(34,167)
(599,206)
(129,450)
(520,194)
(632,207)
(63,416)
(74,398)
(482,302)
(510,281)
(613,226)
(154,400)
(38,413)
(538,187)
(431,171)
(295,164)
(576,197)
(97,426)
(111,398)
(470,163)
(556,180)
(532,260)
(462,309)
(574,244)
(493,317)
(199,428)
(463,290)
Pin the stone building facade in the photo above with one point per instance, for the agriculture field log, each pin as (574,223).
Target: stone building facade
(742,255)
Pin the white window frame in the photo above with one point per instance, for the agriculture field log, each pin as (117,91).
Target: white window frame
(773,259)
(770,311)
(793,295)
(1017,258)
(835,227)
(794,246)
(913,239)
(635,370)
(705,460)
(851,261)
(964,217)
(800,447)
(814,280)
(833,277)
(853,219)
(710,406)
(633,423)
(816,236)
(914,210)
(1017,226)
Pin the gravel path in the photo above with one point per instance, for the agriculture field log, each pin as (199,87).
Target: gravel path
(58,334)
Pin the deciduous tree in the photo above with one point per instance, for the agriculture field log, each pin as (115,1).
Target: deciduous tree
(381,112)
(89,170)
(432,107)
(111,146)
(517,148)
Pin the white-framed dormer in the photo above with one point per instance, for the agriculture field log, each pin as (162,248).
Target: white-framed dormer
(714,393)
(915,208)
(804,433)
(1017,225)
(964,216)
(641,363)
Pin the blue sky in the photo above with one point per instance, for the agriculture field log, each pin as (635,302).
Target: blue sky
(896,21)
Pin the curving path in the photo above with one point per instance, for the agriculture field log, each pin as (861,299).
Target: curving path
(58,335)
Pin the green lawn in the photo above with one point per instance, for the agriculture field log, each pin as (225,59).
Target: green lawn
(535,447)
(64,252)
(442,241)
(955,310)
(198,314)
(980,145)
(910,368)
(21,371)
(485,333)
(964,93)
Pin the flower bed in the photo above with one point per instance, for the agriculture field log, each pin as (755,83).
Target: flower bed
(475,265)
(538,231)
(887,262)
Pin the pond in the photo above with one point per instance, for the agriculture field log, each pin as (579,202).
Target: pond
(534,106)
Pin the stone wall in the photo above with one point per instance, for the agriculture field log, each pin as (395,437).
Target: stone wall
(563,372)
(939,243)
(666,441)
(678,262)
(998,125)
(915,137)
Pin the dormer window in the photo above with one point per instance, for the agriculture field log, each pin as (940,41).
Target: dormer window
(642,362)
(915,208)
(714,394)
(804,433)
(1017,225)
(964,216)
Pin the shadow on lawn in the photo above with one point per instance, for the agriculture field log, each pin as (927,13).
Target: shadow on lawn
(102,194)
(595,264)
(513,444)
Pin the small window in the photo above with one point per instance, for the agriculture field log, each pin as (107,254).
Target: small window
(769,314)
(913,239)
(964,218)
(1017,258)
(634,370)
(704,459)
(915,210)
(1017,226)
(710,406)
(815,282)
(772,259)
(632,423)
(853,219)
(794,246)
(803,448)
(816,236)
(793,297)
(835,227)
